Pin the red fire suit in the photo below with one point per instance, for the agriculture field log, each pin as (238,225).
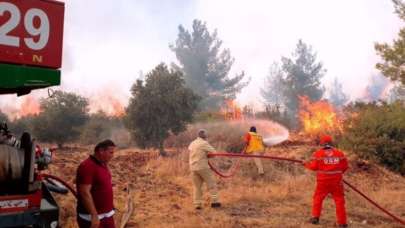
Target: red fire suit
(330,164)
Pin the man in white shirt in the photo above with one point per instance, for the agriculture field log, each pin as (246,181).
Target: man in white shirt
(200,170)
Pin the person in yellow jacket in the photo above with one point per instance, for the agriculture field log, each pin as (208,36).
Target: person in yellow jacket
(200,170)
(255,146)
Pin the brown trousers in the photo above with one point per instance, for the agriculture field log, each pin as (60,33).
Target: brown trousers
(258,162)
(199,177)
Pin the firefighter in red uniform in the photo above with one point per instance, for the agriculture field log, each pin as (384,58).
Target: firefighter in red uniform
(330,164)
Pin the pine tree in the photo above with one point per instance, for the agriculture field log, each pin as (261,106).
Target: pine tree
(302,76)
(393,65)
(299,75)
(206,66)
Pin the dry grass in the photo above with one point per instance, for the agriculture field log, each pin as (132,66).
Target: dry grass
(282,198)
(162,190)
(224,134)
(125,171)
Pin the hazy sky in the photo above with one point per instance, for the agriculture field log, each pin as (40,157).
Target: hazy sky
(107,43)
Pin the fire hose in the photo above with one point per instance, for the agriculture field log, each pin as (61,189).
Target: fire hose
(125,215)
(49,176)
(396,218)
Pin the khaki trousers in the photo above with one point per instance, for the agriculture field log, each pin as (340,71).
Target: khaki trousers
(199,177)
(258,162)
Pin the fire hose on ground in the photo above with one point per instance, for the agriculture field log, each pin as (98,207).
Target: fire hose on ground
(233,171)
(64,183)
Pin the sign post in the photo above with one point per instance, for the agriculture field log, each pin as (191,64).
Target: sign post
(31,41)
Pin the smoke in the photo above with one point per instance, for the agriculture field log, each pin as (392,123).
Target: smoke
(107,103)
(108,99)
(377,88)
(29,106)
(16,107)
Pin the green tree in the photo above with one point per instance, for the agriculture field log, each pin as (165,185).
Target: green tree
(299,75)
(206,66)
(397,93)
(98,127)
(60,118)
(302,76)
(336,95)
(393,56)
(161,106)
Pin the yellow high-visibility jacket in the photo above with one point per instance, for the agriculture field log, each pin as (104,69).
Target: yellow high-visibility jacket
(254,143)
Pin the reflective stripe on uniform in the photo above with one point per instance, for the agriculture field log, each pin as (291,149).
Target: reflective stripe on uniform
(87,217)
(255,143)
(320,159)
(329,172)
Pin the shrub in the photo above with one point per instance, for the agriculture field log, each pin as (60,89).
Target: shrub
(99,127)
(376,131)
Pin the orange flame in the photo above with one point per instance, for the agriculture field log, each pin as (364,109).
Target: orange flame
(29,106)
(231,110)
(118,108)
(108,104)
(318,117)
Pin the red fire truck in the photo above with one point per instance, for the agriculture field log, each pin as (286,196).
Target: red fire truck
(31,38)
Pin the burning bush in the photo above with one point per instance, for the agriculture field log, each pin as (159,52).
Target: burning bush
(377,131)
(318,117)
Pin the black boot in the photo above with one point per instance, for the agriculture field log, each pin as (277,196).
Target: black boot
(343,226)
(314,220)
(216,205)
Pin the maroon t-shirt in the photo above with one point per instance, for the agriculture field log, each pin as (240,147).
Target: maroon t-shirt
(96,174)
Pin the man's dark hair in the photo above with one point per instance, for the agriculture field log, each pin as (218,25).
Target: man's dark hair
(104,145)
(252,129)
(202,133)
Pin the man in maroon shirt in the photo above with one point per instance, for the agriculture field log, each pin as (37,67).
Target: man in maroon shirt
(95,194)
